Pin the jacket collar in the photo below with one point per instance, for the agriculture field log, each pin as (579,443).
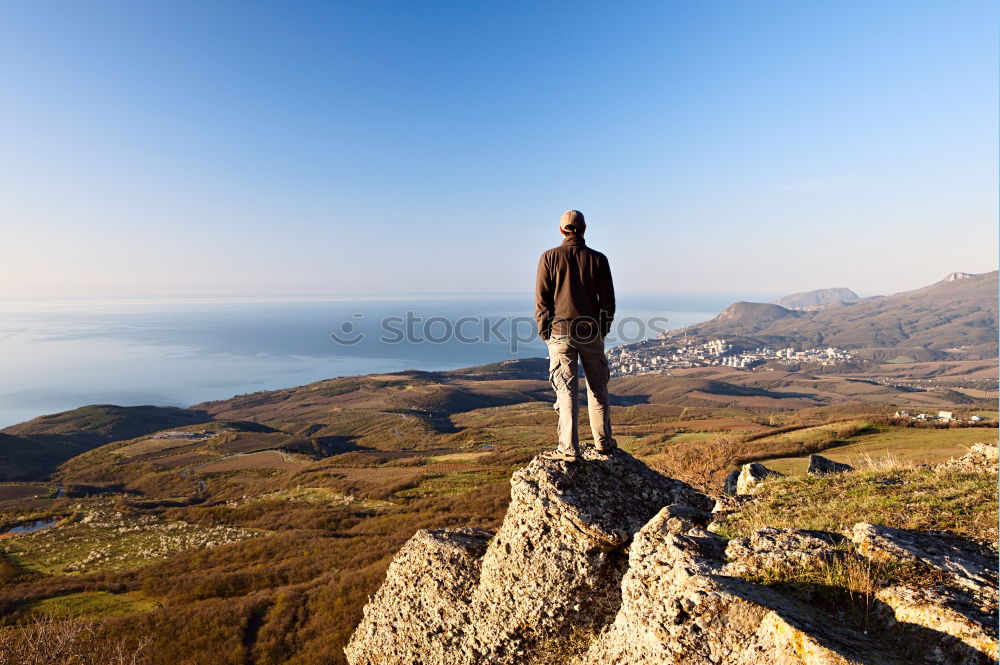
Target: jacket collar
(574,240)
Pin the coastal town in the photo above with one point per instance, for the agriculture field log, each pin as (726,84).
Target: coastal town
(660,356)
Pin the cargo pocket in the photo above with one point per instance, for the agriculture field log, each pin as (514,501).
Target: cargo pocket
(560,374)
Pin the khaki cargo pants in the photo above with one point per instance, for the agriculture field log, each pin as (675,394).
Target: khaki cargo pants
(564,355)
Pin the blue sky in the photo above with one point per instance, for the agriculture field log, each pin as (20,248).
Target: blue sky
(193,148)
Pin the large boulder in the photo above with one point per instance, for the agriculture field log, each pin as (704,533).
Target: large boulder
(957,616)
(729,484)
(424,604)
(953,629)
(774,549)
(686,599)
(964,564)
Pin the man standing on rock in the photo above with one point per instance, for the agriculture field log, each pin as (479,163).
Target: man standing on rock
(574,307)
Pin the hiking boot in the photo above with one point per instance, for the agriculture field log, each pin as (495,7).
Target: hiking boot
(608,449)
(561,456)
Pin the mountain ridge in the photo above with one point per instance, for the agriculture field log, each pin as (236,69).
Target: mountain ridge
(952,318)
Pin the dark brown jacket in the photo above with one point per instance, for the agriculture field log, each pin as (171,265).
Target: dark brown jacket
(573,291)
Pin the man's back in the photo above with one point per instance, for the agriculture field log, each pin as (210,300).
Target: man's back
(573,283)
(574,305)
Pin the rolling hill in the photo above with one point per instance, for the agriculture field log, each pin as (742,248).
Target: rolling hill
(32,450)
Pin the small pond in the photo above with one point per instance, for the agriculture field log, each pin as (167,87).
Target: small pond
(28,527)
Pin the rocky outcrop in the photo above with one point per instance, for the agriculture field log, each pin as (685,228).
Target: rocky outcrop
(605,561)
(752,475)
(685,599)
(965,564)
(556,562)
(981,458)
(951,628)
(680,604)
(819,465)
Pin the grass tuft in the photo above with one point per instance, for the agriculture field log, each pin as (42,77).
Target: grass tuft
(898,495)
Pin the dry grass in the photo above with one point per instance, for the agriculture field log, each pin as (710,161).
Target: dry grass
(845,585)
(701,464)
(896,494)
(51,641)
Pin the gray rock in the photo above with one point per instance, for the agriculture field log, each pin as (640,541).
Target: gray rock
(423,606)
(956,620)
(981,458)
(752,475)
(967,565)
(820,465)
(959,632)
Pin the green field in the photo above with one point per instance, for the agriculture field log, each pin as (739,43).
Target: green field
(104,539)
(93,604)
(907,444)
(450,484)
(685,437)
(842,429)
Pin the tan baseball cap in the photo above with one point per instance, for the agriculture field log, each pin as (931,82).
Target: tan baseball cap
(572,221)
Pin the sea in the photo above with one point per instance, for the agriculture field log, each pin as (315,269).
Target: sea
(59,355)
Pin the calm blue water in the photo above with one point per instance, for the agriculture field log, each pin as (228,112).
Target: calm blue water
(54,358)
(29,527)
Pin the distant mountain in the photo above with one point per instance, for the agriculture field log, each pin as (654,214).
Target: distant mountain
(954,318)
(32,450)
(753,316)
(818,299)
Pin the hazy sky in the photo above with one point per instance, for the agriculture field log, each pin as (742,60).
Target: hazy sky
(194,148)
